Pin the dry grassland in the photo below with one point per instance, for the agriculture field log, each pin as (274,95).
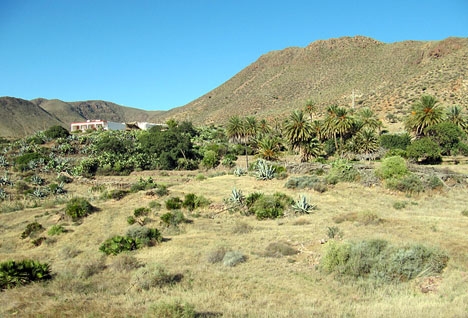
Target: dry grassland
(88,284)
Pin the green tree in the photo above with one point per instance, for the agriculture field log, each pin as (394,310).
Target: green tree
(368,120)
(455,116)
(298,131)
(239,131)
(269,148)
(366,142)
(424,150)
(338,122)
(447,135)
(425,112)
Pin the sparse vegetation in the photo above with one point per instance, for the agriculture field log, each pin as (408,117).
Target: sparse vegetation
(17,273)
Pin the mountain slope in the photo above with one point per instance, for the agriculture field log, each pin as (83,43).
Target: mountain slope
(21,117)
(384,77)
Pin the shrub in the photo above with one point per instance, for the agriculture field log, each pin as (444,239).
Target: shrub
(424,150)
(57,188)
(433,182)
(464,212)
(216,255)
(309,182)
(400,205)
(192,202)
(210,159)
(154,205)
(270,206)
(78,208)
(139,212)
(115,194)
(173,203)
(395,141)
(32,229)
(56,230)
(118,244)
(22,162)
(232,258)
(17,273)
(174,309)
(334,232)
(379,260)
(392,167)
(125,263)
(410,184)
(341,171)
(142,184)
(131,219)
(173,218)
(154,276)
(144,236)
(57,131)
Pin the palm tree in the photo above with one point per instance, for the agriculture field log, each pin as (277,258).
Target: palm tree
(455,115)
(297,129)
(366,141)
(269,148)
(368,119)
(310,108)
(424,113)
(311,148)
(235,130)
(338,122)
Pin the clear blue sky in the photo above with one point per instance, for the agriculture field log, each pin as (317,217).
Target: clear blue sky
(160,54)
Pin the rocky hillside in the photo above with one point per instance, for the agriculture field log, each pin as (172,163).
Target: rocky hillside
(384,77)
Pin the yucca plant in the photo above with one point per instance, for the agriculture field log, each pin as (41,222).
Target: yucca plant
(302,206)
(13,273)
(265,171)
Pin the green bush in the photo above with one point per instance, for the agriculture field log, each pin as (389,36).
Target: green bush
(154,276)
(173,218)
(174,309)
(115,194)
(341,171)
(118,244)
(131,219)
(210,159)
(56,230)
(142,184)
(395,141)
(279,249)
(400,205)
(22,161)
(392,167)
(409,183)
(424,150)
(32,229)
(13,273)
(173,203)
(376,259)
(139,212)
(144,236)
(192,202)
(78,208)
(270,206)
(55,132)
(309,182)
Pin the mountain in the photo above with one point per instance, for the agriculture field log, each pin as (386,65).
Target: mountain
(22,117)
(387,77)
(349,71)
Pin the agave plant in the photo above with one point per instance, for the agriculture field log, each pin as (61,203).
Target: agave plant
(238,171)
(3,194)
(5,180)
(40,193)
(237,197)
(302,206)
(265,171)
(4,162)
(37,180)
(13,273)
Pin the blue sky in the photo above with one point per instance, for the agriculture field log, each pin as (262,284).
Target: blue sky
(160,54)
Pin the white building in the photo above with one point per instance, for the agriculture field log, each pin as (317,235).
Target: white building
(96,125)
(109,125)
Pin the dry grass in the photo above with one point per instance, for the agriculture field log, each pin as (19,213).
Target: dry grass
(289,285)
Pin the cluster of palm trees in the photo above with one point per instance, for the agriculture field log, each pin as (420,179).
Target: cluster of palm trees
(339,131)
(349,131)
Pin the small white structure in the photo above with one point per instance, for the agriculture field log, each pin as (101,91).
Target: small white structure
(109,125)
(97,125)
